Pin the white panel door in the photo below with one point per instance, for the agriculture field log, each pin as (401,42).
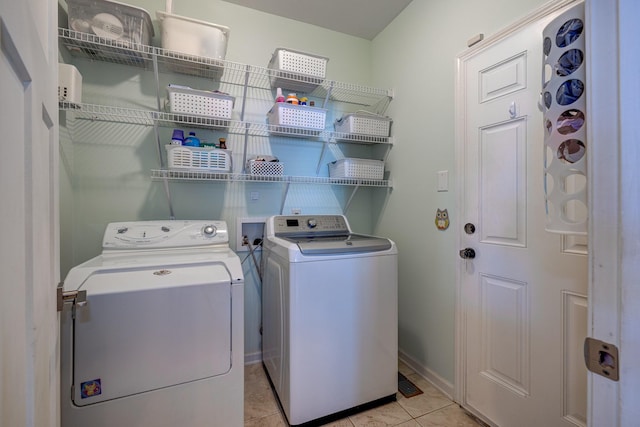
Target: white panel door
(524,293)
(29,386)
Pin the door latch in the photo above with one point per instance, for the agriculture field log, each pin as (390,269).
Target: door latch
(467,253)
(601,358)
(77,297)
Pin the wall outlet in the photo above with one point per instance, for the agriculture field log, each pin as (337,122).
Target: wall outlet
(296,211)
(253,229)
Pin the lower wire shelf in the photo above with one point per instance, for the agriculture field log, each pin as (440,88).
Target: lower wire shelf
(187,175)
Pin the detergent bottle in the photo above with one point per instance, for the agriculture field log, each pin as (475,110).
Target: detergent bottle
(192,140)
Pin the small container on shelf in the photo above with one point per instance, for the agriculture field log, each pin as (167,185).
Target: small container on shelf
(177,138)
(264,168)
(198,158)
(357,168)
(296,119)
(215,105)
(364,123)
(69,84)
(297,71)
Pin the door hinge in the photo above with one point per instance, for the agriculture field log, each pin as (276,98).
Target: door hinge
(602,358)
(75,297)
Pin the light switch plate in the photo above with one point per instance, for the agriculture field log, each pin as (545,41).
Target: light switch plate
(443,180)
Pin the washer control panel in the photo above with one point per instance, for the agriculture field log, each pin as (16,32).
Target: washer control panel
(164,234)
(310,224)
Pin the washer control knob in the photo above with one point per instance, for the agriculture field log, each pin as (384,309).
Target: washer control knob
(312,223)
(209,230)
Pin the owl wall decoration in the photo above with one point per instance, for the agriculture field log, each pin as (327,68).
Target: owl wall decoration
(442,219)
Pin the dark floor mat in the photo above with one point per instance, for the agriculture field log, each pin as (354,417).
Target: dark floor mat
(406,387)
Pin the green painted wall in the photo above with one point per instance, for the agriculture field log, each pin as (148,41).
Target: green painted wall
(415,56)
(105,166)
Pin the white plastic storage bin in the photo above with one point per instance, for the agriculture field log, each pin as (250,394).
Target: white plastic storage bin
(297,71)
(111,20)
(357,168)
(185,100)
(363,123)
(290,118)
(192,36)
(260,167)
(69,84)
(198,158)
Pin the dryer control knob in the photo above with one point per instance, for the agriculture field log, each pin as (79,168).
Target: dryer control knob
(311,222)
(209,230)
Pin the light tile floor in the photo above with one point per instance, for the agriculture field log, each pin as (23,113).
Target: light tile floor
(430,409)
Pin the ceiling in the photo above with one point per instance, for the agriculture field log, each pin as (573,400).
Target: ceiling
(360,18)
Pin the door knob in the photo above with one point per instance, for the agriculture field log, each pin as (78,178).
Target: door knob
(467,253)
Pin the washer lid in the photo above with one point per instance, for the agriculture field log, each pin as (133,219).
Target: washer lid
(351,243)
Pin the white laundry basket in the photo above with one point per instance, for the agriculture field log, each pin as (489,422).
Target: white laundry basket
(357,168)
(363,123)
(290,118)
(198,158)
(297,71)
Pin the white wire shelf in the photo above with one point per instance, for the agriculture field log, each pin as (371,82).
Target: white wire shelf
(92,47)
(126,115)
(179,175)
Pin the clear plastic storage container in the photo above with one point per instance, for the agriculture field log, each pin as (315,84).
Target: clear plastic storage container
(111,20)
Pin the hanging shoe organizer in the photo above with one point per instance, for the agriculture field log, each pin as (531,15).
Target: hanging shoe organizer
(564,108)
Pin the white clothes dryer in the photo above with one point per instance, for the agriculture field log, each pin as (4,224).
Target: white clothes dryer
(330,317)
(159,339)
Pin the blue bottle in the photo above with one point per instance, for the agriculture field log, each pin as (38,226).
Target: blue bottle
(192,140)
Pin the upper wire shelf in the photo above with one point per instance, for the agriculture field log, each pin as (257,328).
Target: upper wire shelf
(125,115)
(93,47)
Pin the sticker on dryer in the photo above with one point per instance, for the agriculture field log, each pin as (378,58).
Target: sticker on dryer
(90,388)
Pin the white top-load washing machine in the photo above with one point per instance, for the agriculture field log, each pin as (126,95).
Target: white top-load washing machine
(330,317)
(158,340)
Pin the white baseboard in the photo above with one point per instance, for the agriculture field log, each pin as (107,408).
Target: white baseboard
(251,358)
(436,380)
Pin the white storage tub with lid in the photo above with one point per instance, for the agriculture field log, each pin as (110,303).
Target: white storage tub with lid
(192,36)
(111,20)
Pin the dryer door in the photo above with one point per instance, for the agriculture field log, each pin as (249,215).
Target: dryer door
(149,328)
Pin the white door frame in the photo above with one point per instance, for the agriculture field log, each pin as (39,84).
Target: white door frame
(613,98)
(613,103)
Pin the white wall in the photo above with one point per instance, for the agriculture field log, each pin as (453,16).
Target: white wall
(415,56)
